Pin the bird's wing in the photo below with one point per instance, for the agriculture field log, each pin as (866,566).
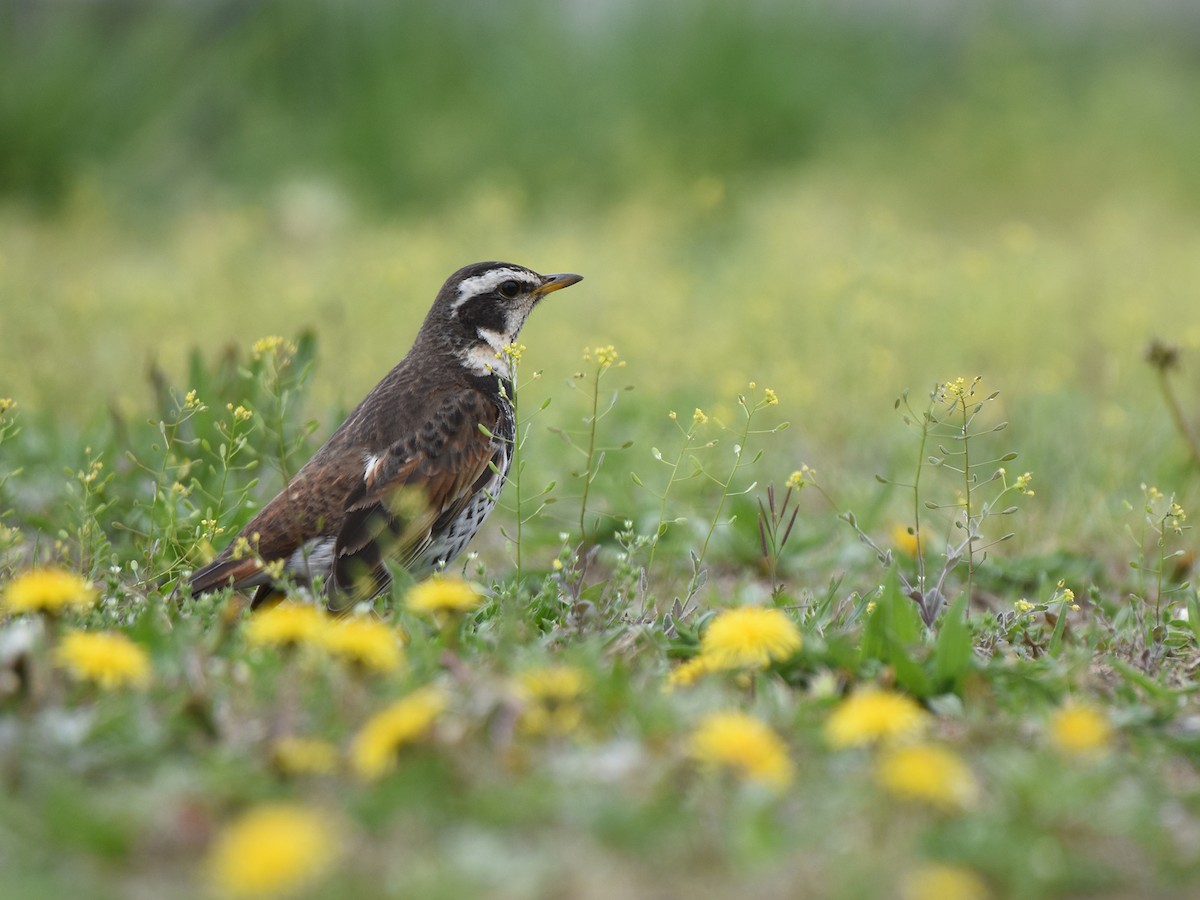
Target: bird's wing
(413,489)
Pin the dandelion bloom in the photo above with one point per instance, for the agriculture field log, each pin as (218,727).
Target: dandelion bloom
(905,540)
(552,697)
(274,848)
(406,721)
(304,756)
(47,590)
(364,642)
(742,744)
(108,658)
(1078,729)
(287,624)
(874,715)
(928,773)
(939,881)
(749,636)
(442,594)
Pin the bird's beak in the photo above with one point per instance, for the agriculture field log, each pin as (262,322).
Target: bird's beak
(555,283)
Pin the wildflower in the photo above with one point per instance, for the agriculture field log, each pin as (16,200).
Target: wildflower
(406,721)
(287,625)
(744,745)
(107,658)
(47,590)
(770,397)
(240,413)
(304,756)
(749,636)
(906,540)
(273,848)
(442,594)
(796,480)
(672,415)
(606,356)
(873,715)
(957,391)
(552,699)
(940,881)
(688,673)
(193,402)
(364,642)
(513,352)
(7,405)
(930,774)
(1076,729)
(1023,606)
(272,346)
(699,417)
(1022,484)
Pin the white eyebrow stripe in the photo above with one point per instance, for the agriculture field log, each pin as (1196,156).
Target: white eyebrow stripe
(489,281)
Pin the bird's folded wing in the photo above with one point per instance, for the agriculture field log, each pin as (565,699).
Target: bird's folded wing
(413,489)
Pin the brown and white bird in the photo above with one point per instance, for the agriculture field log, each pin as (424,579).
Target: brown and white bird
(412,473)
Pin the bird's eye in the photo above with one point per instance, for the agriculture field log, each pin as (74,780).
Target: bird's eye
(509,290)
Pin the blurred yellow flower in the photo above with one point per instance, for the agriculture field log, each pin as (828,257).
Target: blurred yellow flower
(444,594)
(552,699)
(304,756)
(364,642)
(699,417)
(7,405)
(744,745)
(606,356)
(272,849)
(939,881)
(48,591)
(930,774)
(691,671)
(1078,729)
(407,721)
(796,480)
(1022,607)
(872,715)
(287,625)
(770,397)
(749,636)
(905,540)
(273,345)
(108,658)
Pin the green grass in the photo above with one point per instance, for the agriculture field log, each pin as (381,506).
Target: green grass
(840,210)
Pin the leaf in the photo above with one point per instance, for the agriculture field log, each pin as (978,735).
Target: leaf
(952,651)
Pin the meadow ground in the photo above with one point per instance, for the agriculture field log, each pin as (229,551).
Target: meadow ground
(654,680)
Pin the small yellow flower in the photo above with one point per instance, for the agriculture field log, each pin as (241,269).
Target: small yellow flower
(364,642)
(107,658)
(872,715)
(606,356)
(444,594)
(47,590)
(272,849)
(699,417)
(304,756)
(906,540)
(287,625)
(688,673)
(1080,730)
(239,412)
(193,402)
(744,745)
(7,405)
(552,699)
(939,881)
(796,480)
(273,345)
(749,636)
(513,352)
(930,774)
(407,721)
(770,397)
(1022,607)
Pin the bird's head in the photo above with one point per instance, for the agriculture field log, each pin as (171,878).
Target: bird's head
(481,309)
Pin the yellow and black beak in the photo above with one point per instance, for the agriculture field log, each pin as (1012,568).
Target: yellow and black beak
(557,282)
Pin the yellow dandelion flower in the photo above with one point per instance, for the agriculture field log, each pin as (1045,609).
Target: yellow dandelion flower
(444,594)
(274,848)
(47,590)
(940,881)
(304,756)
(287,624)
(688,673)
(749,636)
(1080,730)
(107,658)
(364,642)
(407,721)
(905,540)
(928,773)
(874,715)
(744,745)
(552,699)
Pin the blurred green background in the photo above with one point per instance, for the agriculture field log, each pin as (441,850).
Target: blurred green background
(839,201)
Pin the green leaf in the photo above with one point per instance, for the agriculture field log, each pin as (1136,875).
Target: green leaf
(952,652)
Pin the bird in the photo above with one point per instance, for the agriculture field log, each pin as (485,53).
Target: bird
(413,472)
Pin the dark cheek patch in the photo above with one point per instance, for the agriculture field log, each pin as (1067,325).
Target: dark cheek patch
(484,312)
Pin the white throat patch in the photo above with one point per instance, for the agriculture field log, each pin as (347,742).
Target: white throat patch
(489,357)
